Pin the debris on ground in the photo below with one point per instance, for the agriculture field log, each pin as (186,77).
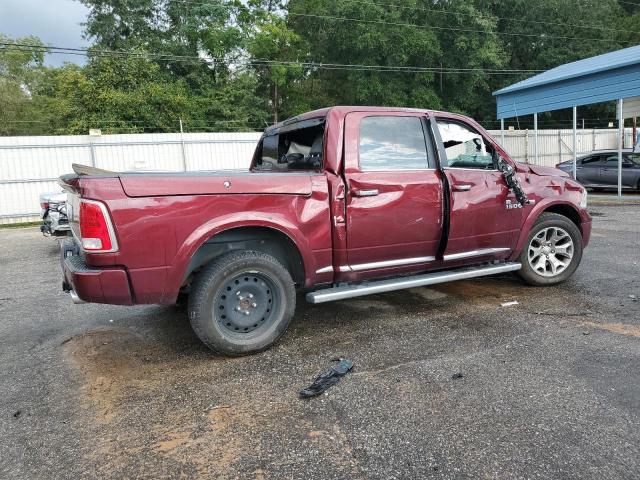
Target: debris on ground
(510,304)
(457,376)
(328,378)
(633,297)
(17,413)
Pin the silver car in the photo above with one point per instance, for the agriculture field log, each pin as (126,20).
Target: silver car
(599,169)
(54,214)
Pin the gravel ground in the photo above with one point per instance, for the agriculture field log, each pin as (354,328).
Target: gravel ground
(549,388)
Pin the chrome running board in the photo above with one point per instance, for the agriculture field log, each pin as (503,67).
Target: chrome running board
(390,285)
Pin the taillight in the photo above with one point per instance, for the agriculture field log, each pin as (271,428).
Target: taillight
(44,205)
(96,232)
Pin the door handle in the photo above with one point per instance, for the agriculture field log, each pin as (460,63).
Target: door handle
(462,188)
(365,193)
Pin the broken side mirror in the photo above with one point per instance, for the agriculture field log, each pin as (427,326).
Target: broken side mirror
(510,178)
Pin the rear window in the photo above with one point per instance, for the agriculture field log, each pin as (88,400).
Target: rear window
(294,147)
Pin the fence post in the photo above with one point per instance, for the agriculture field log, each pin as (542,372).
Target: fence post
(526,146)
(184,151)
(92,150)
(559,145)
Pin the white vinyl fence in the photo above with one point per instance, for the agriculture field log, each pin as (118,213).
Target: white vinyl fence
(30,166)
(555,146)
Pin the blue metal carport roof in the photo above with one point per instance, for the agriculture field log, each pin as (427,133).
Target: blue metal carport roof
(598,79)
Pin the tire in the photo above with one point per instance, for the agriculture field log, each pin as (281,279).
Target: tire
(242,303)
(549,257)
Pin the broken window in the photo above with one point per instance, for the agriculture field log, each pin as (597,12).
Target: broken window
(298,146)
(464,147)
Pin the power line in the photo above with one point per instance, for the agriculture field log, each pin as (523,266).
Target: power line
(506,19)
(261,62)
(432,10)
(453,29)
(413,25)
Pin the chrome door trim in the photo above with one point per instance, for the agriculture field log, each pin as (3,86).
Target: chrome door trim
(474,253)
(389,263)
(325,269)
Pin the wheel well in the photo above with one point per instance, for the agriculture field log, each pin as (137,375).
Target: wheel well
(261,239)
(566,211)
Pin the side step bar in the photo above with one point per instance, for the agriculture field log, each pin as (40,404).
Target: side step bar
(390,285)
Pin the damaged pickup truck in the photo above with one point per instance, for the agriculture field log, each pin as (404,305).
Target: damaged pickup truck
(338,203)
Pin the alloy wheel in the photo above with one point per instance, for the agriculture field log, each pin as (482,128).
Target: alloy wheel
(550,251)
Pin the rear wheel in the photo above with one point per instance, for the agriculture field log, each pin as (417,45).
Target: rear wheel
(242,303)
(553,251)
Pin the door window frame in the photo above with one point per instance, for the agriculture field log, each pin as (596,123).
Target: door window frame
(352,142)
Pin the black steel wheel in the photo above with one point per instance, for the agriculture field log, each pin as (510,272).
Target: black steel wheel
(242,303)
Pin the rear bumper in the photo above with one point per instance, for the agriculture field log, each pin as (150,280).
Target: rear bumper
(95,285)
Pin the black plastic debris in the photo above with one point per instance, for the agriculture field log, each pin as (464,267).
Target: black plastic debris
(457,376)
(17,413)
(328,378)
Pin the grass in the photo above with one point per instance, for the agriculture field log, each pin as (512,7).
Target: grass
(20,225)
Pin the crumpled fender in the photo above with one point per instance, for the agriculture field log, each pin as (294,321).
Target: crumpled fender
(533,215)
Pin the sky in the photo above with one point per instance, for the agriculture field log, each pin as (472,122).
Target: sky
(56,22)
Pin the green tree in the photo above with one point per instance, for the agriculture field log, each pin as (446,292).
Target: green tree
(20,74)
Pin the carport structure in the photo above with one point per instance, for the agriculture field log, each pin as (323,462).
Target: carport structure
(608,77)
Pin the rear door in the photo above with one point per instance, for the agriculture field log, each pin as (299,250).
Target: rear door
(609,175)
(484,215)
(394,194)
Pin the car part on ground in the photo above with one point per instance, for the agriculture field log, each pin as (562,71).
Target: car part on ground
(327,379)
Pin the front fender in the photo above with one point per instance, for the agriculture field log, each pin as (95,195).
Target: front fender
(227,222)
(540,207)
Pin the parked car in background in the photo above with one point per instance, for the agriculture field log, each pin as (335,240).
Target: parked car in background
(340,202)
(54,214)
(599,169)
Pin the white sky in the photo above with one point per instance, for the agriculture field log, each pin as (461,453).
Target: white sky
(56,22)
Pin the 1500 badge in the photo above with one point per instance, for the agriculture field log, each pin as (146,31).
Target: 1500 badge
(511,205)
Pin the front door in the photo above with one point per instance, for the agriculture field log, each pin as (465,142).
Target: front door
(394,194)
(485,216)
(588,170)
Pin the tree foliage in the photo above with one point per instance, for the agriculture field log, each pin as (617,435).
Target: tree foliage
(241,64)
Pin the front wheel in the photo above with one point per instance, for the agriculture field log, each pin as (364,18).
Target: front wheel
(553,251)
(242,303)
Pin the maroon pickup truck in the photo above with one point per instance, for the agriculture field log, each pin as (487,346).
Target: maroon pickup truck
(339,203)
